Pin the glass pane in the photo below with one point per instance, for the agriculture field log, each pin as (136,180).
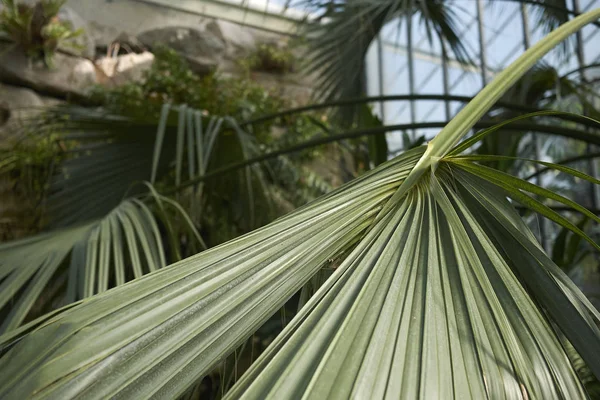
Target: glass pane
(503,34)
(373,87)
(395,72)
(421,41)
(394,32)
(430,111)
(464,83)
(591,46)
(428,77)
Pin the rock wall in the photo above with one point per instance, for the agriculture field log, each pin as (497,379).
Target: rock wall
(117,37)
(108,18)
(17,106)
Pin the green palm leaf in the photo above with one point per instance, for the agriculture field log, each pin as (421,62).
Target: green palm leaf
(446,317)
(183,319)
(114,153)
(338,46)
(78,262)
(445,293)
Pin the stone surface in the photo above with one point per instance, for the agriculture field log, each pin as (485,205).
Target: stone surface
(131,67)
(190,42)
(105,70)
(203,65)
(103,35)
(84,44)
(19,105)
(203,50)
(129,43)
(232,34)
(14,98)
(115,71)
(112,42)
(69,76)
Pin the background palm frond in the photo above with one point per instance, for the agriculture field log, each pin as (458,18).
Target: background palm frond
(339,42)
(114,153)
(109,235)
(49,270)
(550,14)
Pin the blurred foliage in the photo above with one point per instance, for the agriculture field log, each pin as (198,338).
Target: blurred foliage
(544,88)
(36,28)
(568,250)
(25,170)
(270,58)
(230,207)
(170,80)
(378,148)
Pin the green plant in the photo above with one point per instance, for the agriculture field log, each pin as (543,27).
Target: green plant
(442,292)
(36,28)
(543,88)
(170,80)
(271,58)
(338,47)
(25,169)
(338,43)
(566,251)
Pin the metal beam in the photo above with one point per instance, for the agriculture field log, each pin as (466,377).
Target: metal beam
(536,143)
(271,18)
(592,165)
(445,79)
(411,72)
(380,73)
(432,57)
(482,44)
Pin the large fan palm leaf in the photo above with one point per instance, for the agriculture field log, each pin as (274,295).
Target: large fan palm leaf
(448,317)
(444,293)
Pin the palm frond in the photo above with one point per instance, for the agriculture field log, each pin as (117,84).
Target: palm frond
(550,14)
(443,281)
(591,383)
(115,153)
(453,314)
(77,262)
(181,320)
(543,88)
(339,44)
